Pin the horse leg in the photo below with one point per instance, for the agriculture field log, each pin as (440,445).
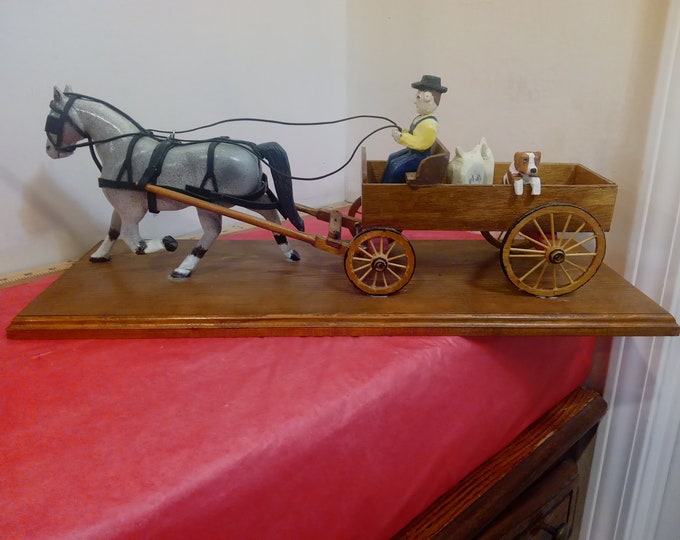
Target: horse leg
(103,253)
(130,207)
(212,227)
(128,231)
(130,235)
(289,253)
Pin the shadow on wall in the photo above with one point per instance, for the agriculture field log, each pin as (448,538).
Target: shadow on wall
(49,212)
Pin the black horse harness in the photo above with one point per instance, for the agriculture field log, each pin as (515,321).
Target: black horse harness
(54,125)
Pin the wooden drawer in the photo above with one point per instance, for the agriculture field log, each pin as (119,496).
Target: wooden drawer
(544,511)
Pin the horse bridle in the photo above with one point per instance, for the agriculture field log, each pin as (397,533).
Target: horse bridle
(54,125)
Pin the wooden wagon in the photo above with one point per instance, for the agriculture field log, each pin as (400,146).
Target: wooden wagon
(550,244)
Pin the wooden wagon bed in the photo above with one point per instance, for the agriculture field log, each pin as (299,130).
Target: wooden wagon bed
(492,207)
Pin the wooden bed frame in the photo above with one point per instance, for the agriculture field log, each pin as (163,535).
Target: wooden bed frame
(531,488)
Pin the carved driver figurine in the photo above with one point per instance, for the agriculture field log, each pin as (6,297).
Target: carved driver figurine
(420,136)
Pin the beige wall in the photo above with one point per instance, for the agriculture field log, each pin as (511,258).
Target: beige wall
(572,79)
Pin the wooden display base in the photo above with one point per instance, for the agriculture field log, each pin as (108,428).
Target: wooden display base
(246,288)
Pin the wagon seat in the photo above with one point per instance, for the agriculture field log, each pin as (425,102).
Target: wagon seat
(432,170)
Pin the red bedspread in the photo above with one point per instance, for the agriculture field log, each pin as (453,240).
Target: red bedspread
(256,438)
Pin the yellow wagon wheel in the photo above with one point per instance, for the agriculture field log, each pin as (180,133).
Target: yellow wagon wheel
(380,261)
(553,249)
(495,238)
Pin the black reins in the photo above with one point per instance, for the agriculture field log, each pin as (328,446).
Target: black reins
(54,125)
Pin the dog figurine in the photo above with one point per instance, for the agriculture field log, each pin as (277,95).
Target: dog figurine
(523,170)
(472,167)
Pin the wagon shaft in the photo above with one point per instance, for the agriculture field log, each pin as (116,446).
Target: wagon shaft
(320,242)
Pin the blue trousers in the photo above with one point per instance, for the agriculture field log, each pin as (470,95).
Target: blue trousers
(401,162)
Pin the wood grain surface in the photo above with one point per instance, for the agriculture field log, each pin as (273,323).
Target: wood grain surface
(246,288)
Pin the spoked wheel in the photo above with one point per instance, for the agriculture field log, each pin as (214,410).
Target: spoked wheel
(495,238)
(553,250)
(355,208)
(380,261)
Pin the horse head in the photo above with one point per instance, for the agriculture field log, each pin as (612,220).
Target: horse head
(62,125)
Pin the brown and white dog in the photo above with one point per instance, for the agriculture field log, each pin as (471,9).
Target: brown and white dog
(524,170)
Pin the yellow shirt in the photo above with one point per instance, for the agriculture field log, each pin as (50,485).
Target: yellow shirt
(422,134)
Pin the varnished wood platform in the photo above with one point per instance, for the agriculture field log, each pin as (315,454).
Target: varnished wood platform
(246,288)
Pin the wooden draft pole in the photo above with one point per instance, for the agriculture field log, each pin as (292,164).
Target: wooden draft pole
(321,242)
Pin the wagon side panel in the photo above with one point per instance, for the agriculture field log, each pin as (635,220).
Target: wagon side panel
(484,207)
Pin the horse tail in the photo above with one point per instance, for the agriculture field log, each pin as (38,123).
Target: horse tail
(280,167)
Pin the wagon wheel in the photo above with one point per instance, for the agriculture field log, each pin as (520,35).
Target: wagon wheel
(355,208)
(553,250)
(495,238)
(380,261)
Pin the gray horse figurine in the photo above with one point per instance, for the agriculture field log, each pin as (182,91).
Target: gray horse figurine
(220,170)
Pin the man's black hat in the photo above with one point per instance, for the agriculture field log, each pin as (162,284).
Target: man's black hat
(430,82)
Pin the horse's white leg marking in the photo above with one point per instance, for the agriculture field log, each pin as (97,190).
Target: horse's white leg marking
(131,207)
(130,235)
(103,251)
(152,245)
(288,252)
(212,226)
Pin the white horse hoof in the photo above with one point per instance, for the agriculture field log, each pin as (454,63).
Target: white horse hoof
(180,275)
